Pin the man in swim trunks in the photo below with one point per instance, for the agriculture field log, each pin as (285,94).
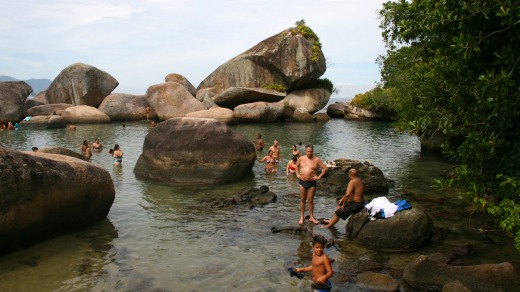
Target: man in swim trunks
(306,171)
(352,202)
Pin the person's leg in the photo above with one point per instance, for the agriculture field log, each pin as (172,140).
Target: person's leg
(303,199)
(331,222)
(310,195)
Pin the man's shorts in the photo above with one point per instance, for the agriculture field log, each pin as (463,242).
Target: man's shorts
(349,209)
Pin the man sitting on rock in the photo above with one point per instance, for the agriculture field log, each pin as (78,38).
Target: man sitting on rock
(352,202)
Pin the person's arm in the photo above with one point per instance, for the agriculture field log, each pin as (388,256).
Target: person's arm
(287,168)
(323,169)
(348,191)
(297,168)
(305,269)
(261,160)
(328,268)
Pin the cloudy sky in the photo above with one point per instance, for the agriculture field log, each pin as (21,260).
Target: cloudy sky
(139,42)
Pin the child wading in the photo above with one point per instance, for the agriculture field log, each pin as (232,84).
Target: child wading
(321,268)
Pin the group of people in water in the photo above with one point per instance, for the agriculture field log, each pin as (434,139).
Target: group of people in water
(309,168)
(116,152)
(9,126)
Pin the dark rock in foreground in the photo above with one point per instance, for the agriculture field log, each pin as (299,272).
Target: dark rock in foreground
(44,195)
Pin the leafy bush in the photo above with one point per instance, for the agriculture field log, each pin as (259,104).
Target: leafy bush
(320,83)
(377,99)
(308,33)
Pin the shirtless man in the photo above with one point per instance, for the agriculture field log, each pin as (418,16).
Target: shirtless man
(259,143)
(276,151)
(306,171)
(352,202)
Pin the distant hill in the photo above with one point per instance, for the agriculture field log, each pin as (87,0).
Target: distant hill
(38,85)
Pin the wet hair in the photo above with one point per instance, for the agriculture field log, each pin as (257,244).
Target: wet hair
(111,151)
(309,146)
(35,149)
(85,142)
(295,158)
(319,239)
(116,147)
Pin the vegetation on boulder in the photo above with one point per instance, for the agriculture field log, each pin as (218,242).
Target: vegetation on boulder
(277,87)
(308,33)
(376,99)
(320,83)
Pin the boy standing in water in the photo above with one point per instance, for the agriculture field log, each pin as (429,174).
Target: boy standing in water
(321,268)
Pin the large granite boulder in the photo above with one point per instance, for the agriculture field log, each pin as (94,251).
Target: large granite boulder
(301,115)
(171,100)
(45,195)
(235,96)
(84,114)
(307,100)
(44,122)
(126,107)
(30,103)
(336,179)
(81,84)
(406,230)
(425,274)
(357,113)
(40,97)
(260,112)
(177,78)
(284,59)
(218,113)
(48,109)
(64,151)
(336,110)
(12,99)
(187,151)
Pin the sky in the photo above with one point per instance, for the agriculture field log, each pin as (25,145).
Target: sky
(139,42)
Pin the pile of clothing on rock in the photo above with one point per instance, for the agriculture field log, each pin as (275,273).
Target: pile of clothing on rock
(381,208)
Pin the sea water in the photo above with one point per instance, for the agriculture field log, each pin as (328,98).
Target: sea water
(161,238)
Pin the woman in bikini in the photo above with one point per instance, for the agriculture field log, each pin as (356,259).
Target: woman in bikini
(295,151)
(291,169)
(270,162)
(86,149)
(118,155)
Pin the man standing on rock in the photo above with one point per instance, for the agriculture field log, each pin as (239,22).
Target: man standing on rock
(306,171)
(352,202)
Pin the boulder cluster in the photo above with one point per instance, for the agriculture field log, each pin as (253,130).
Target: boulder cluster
(277,79)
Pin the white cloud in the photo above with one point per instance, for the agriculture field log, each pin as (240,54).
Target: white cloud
(140,42)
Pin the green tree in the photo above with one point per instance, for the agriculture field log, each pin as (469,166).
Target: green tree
(453,66)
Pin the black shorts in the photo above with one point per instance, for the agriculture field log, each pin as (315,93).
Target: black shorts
(349,209)
(307,184)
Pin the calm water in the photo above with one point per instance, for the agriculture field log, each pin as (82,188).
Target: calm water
(158,237)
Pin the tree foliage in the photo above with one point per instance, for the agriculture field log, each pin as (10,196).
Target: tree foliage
(376,99)
(453,66)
